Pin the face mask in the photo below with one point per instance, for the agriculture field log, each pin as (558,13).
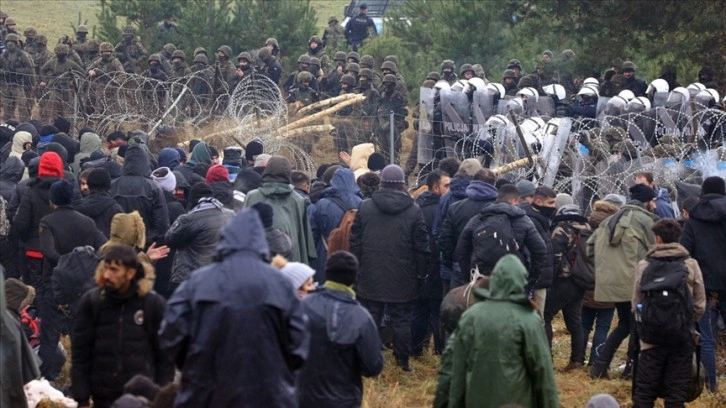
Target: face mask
(176,63)
(61,57)
(154,67)
(390,87)
(199,65)
(364,82)
(548,212)
(11,46)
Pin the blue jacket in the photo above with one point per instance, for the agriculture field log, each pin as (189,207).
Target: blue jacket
(663,206)
(235,328)
(325,214)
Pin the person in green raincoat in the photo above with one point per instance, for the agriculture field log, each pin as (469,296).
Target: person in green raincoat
(499,353)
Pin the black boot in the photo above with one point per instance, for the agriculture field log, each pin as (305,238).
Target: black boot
(403,363)
(628,370)
(599,370)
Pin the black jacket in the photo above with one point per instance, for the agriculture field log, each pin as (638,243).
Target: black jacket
(525,233)
(10,174)
(99,206)
(390,239)
(704,236)
(135,191)
(194,236)
(61,231)
(115,338)
(542,223)
(174,206)
(344,346)
(34,205)
(429,204)
(235,328)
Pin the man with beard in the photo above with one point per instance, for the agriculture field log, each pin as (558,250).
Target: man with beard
(632,82)
(115,332)
(18,73)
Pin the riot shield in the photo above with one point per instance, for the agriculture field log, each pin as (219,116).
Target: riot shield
(482,108)
(425,125)
(601,103)
(545,107)
(556,137)
(455,112)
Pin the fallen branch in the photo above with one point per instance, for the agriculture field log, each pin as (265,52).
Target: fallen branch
(326,103)
(517,164)
(306,130)
(312,118)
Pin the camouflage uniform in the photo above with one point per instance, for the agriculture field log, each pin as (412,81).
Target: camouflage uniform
(87,49)
(391,101)
(155,92)
(180,70)
(224,71)
(57,77)
(18,73)
(334,34)
(43,55)
(201,83)
(319,52)
(107,71)
(346,133)
(130,52)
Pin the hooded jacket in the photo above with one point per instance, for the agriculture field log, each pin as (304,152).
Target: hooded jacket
(390,239)
(616,247)
(200,155)
(499,353)
(100,207)
(530,242)
(135,191)
(242,290)
(600,211)
(194,236)
(672,251)
(543,225)
(17,149)
(359,158)
(704,236)
(90,142)
(478,195)
(326,214)
(457,192)
(115,338)
(429,204)
(290,213)
(345,345)
(11,173)
(169,157)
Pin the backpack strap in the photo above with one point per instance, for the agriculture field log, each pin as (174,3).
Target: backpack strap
(340,203)
(613,223)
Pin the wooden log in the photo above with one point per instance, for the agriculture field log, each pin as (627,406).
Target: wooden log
(312,118)
(517,164)
(306,130)
(325,103)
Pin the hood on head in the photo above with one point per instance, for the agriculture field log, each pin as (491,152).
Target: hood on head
(51,165)
(169,157)
(392,201)
(19,140)
(481,191)
(344,180)
(458,187)
(136,162)
(244,232)
(18,295)
(28,127)
(710,208)
(128,229)
(507,282)
(503,208)
(57,148)
(69,144)
(200,154)
(90,142)
(278,170)
(12,169)
(359,156)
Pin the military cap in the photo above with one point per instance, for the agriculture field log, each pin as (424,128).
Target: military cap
(629,66)
(466,67)
(433,76)
(509,73)
(303,59)
(154,57)
(178,54)
(226,50)
(448,64)
(201,58)
(316,39)
(332,19)
(367,61)
(389,65)
(315,61)
(200,50)
(352,66)
(105,46)
(61,49)
(245,56)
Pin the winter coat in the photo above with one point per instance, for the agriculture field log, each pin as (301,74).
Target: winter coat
(194,236)
(478,195)
(433,287)
(616,247)
(136,191)
(499,354)
(220,367)
(224,192)
(600,211)
(20,139)
(326,214)
(457,192)
(704,236)
(542,224)
(663,206)
(359,155)
(174,206)
(564,240)
(34,205)
(344,346)
(115,338)
(63,230)
(99,206)
(390,239)
(290,216)
(10,174)
(90,142)
(695,279)
(525,234)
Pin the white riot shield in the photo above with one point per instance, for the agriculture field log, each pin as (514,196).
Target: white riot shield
(556,137)
(455,112)
(425,125)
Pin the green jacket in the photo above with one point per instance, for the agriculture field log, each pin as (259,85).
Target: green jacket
(289,215)
(499,353)
(616,247)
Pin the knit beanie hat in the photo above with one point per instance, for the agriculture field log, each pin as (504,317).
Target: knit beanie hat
(61,192)
(27,156)
(603,401)
(616,199)
(182,154)
(526,188)
(98,179)
(562,200)
(254,148)
(469,167)
(164,178)
(51,165)
(265,212)
(569,209)
(341,267)
(217,173)
(642,193)
(199,191)
(392,174)
(297,273)
(328,175)
(376,162)
(713,185)
(48,130)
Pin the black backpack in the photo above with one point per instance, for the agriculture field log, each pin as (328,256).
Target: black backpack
(665,315)
(73,276)
(583,271)
(492,239)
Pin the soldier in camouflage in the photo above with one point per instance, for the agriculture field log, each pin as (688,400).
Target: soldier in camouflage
(271,67)
(165,57)
(179,69)
(391,101)
(303,64)
(334,33)
(316,49)
(448,73)
(303,93)
(104,71)
(367,108)
(130,52)
(31,46)
(43,55)
(154,91)
(332,79)
(224,70)
(389,67)
(17,72)
(346,133)
(57,78)
(87,48)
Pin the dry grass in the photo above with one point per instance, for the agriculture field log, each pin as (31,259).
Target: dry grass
(52,18)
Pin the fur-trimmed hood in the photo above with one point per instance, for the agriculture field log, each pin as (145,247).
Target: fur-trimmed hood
(145,284)
(601,210)
(129,229)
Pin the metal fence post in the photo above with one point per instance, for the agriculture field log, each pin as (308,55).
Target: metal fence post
(393,141)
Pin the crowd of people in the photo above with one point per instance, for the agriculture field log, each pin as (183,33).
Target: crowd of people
(196,275)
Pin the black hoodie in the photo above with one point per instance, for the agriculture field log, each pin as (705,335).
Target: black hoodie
(704,236)
(99,206)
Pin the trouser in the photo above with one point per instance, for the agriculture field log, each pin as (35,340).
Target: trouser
(624,329)
(664,371)
(709,336)
(13,96)
(33,272)
(566,296)
(53,323)
(602,319)
(425,316)
(540,297)
(399,323)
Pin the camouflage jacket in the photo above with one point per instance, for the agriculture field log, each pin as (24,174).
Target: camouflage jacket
(17,68)
(565,240)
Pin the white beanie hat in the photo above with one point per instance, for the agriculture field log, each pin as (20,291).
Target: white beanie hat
(298,273)
(164,178)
